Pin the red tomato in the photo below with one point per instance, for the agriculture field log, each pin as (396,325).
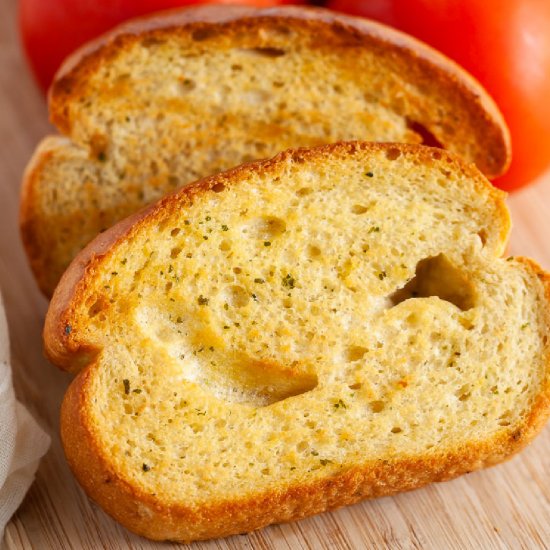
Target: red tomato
(52,29)
(505,44)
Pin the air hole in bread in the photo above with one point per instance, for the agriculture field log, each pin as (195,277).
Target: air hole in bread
(313,251)
(377,406)
(427,137)
(463,394)
(256,382)
(504,419)
(438,276)
(483,236)
(265,228)
(97,307)
(265,52)
(393,154)
(236,296)
(174,231)
(185,85)
(359,209)
(218,188)
(354,353)
(175,252)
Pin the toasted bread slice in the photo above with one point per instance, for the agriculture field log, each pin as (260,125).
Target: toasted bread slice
(164,101)
(295,335)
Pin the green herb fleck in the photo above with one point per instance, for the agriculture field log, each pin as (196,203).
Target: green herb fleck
(137,390)
(325,461)
(314,453)
(226,327)
(114,273)
(267,243)
(382,275)
(200,412)
(259,280)
(289,281)
(225,228)
(179,320)
(524,326)
(126,383)
(510,259)
(145,467)
(205,237)
(374,229)
(68,329)
(369,174)
(123,262)
(102,157)
(208,218)
(340,404)
(202,300)
(226,306)
(186,222)
(254,297)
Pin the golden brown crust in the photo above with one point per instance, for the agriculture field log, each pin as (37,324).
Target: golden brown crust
(151,517)
(30,220)
(541,408)
(424,64)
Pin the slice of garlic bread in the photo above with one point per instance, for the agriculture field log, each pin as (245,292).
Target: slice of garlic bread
(161,102)
(298,334)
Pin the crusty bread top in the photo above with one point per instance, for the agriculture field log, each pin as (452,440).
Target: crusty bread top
(301,332)
(476,129)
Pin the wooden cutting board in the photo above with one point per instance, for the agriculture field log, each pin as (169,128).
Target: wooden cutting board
(505,507)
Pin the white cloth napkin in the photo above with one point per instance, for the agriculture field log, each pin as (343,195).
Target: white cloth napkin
(22,441)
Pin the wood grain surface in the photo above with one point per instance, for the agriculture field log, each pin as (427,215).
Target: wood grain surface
(507,506)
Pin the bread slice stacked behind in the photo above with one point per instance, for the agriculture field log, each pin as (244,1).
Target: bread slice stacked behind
(161,102)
